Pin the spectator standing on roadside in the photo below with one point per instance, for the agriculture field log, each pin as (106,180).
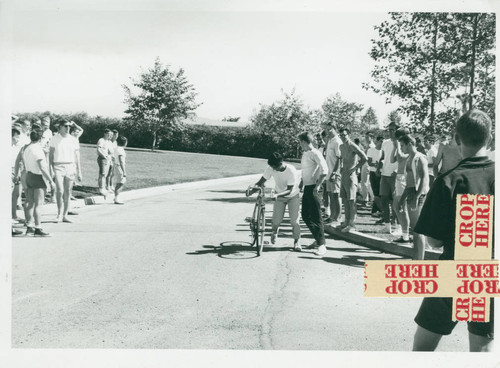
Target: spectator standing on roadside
(401,212)
(37,171)
(373,156)
(431,153)
(113,144)
(25,133)
(16,179)
(104,158)
(76,131)
(120,167)
(448,156)
(475,174)
(314,170)
(64,158)
(352,158)
(388,177)
(332,157)
(417,186)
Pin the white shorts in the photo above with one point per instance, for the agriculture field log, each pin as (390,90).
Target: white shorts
(400,185)
(118,177)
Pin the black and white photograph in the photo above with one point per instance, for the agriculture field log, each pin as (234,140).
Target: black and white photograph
(201,183)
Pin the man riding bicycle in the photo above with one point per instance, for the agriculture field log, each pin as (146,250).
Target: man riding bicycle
(287,193)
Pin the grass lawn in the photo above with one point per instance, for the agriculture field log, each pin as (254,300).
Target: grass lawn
(149,169)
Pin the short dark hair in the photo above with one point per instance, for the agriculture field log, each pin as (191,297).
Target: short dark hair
(115,131)
(357,141)
(407,139)
(380,138)
(106,131)
(306,137)
(370,134)
(474,128)
(35,135)
(275,159)
(401,132)
(74,128)
(121,141)
(344,129)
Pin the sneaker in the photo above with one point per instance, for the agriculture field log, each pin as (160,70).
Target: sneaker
(119,202)
(72,198)
(321,250)
(40,232)
(397,231)
(379,222)
(297,247)
(402,240)
(16,232)
(73,213)
(67,220)
(313,245)
(58,219)
(341,226)
(30,231)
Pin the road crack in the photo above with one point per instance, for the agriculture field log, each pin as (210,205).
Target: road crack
(275,304)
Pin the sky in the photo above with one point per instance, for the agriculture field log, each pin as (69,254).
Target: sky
(77,60)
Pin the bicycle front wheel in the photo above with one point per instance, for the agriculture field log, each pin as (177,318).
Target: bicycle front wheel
(261,228)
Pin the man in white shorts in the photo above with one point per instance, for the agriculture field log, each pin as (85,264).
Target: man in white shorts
(64,159)
(401,211)
(333,176)
(287,193)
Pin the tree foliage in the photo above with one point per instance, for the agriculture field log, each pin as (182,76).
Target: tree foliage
(343,113)
(159,100)
(284,120)
(369,120)
(427,59)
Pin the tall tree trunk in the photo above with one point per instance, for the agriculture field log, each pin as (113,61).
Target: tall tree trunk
(154,141)
(433,76)
(475,23)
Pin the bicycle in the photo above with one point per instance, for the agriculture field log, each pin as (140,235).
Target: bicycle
(258,219)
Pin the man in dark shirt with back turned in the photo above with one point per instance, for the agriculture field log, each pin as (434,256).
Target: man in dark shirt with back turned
(475,174)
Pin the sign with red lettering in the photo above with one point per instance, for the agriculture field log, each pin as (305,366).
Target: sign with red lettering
(471,279)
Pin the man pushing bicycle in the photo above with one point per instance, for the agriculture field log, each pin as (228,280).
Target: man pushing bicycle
(287,193)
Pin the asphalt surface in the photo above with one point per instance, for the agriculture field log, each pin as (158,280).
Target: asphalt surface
(176,271)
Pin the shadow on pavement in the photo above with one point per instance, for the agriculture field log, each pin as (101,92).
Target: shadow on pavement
(350,261)
(238,191)
(229,200)
(236,250)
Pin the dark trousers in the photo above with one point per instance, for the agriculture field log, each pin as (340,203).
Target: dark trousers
(311,214)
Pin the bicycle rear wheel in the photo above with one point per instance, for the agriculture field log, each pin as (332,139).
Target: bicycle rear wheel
(261,228)
(253,225)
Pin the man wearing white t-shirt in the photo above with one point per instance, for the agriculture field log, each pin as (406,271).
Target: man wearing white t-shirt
(314,170)
(104,159)
(388,176)
(64,158)
(120,174)
(36,172)
(287,193)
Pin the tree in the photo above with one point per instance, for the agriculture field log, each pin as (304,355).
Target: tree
(424,59)
(160,101)
(340,112)
(369,120)
(284,120)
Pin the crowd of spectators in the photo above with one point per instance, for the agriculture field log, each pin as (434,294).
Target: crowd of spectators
(46,164)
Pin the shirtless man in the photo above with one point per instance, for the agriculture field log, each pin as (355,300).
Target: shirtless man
(400,211)
(448,156)
(417,186)
(352,158)
(333,176)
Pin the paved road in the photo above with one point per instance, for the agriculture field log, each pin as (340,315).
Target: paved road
(175,271)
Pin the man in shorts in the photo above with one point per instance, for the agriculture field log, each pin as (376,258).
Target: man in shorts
(417,186)
(104,159)
(287,194)
(352,158)
(64,158)
(120,167)
(37,175)
(387,170)
(113,144)
(448,156)
(314,170)
(475,174)
(373,156)
(333,176)
(401,212)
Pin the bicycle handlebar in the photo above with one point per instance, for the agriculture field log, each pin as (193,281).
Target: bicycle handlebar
(260,190)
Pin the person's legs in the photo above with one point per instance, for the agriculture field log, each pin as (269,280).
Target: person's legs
(293,212)
(425,340)
(68,185)
(480,343)
(103,170)
(278,213)
(311,214)
(16,192)
(59,180)
(109,178)
(29,207)
(38,199)
(418,239)
(386,197)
